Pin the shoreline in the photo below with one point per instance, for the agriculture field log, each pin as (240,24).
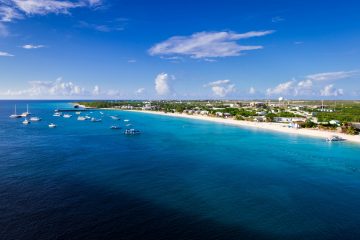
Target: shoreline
(270,126)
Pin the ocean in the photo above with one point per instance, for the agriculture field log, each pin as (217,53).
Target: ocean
(178,179)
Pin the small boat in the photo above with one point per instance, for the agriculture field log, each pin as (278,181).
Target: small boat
(67,116)
(27,113)
(35,119)
(26,122)
(52,125)
(87,117)
(115,127)
(131,132)
(15,115)
(57,114)
(77,113)
(128,125)
(334,139)
(115,117)
(80,118)
(126,120)
(95,120)
(101,113)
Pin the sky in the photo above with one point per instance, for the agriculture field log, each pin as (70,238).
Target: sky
(161,49)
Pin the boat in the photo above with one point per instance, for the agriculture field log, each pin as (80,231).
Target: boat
(57,114)
(80,118)
(101,113)
(126,120)
(35,119)
(77,113)
(115,117)
(128,125)
(334,138)
(52,125)
(15,115)
(115,127)
(131,132)
(87,117)
(95,120)
(27,113)
(26,122)
(67,116)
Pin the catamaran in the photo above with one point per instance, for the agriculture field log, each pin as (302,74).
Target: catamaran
(27,113)
(15,115)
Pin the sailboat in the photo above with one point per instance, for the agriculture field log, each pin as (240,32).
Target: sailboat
(15,115)
(27,113)
(26,122)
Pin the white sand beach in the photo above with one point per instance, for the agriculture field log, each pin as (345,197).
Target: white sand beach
(279,127)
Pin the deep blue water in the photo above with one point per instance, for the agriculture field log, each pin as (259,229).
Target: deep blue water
(179,179)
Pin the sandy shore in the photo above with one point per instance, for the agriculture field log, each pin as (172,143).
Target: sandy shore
(278,127)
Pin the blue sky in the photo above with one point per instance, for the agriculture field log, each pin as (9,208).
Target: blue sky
(138,49)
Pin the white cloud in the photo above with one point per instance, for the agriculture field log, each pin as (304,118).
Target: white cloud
(53,89)
(96,91)
(252,90)
(140,91)
(162,85)
(3,30)
(109,26)
(330,91)
(30,46)
(281,89)
(207,44)
(277,19)
(5,54)
(131,61)
(17,9)
(221,88)
(327,76)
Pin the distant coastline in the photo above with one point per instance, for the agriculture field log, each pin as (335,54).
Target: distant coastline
(278,127)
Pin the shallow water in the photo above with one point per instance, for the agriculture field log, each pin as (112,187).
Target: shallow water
(179,179)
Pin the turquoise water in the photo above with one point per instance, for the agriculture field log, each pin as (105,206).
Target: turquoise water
(179,179)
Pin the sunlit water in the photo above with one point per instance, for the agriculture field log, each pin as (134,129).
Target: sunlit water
(179,179)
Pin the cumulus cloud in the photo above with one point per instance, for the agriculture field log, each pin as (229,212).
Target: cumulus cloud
(140,91)
(282,88)
(18,9)
(30,46)
(53,89)
(331,91)
(162,84)
(221,88)
(207,44)
(311,84)
(252,90)
(108,26)
(5,54)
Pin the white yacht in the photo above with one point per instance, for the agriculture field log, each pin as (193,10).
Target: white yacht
(115,127)
(131,132)
(15,115)
(115,117)
(126,120)
(67,116)
(35,119)
(80,118)
(26,122)
(57,114)
(77,113)
(95,120)
(52,125)
(27,113)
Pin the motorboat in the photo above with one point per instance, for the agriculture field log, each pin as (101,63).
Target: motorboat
(77,113)
(57,114)
(52,125)
(115,118)
(35,119)
(67,116)
(95,120)
(126,120)
(128,125)
(26,122)
(15,115)
(131,132)
(80,118)
(334,138)
(87,117)
(115,127)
